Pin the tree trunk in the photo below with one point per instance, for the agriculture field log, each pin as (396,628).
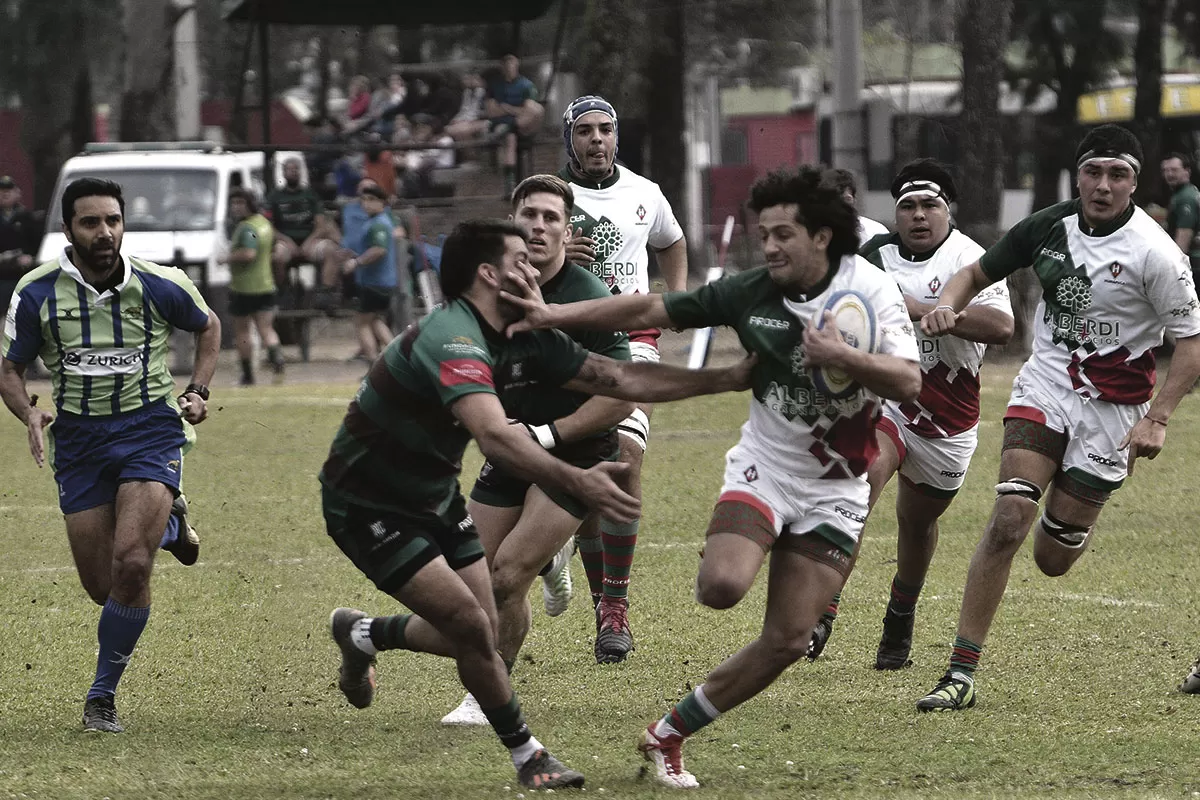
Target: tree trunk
(665,104)
(1147,108)
(148,100)
(983,30)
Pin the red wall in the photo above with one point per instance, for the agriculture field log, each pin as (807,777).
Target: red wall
(13,159)
(778,140)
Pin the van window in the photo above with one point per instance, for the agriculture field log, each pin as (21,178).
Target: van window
(155,199)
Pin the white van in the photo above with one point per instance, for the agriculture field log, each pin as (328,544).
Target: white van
(176,197)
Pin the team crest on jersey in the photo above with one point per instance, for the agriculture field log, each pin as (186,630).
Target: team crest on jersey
(1115,268)
(798,367)
(750,473)
(641,212)
(934,285)
(517,369)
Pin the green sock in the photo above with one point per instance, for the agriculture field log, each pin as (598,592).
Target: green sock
(965,656)
(618,540)
(387,633)
(591,553)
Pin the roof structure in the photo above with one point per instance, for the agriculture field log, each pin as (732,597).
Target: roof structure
(404,13)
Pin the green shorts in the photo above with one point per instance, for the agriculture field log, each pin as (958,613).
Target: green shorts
(390,547)
(499,488)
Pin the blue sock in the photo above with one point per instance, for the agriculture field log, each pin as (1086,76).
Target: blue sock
(118,632)
(171,534)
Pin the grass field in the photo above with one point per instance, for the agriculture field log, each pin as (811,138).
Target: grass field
(232,692)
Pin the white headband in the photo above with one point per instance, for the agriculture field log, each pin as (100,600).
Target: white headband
(921,189)
(1108,155)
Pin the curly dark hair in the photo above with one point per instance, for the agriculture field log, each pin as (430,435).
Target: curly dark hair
(819,204)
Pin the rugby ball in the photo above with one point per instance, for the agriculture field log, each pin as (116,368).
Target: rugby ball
(856,322)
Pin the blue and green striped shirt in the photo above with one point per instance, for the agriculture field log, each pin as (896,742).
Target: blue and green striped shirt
(106,350)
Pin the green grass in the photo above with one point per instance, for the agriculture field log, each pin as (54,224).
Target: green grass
(231,694)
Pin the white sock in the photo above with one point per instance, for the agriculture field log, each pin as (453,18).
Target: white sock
(360,635)
(663,728)
(522,753)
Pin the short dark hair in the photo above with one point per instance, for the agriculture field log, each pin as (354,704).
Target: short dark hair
(1110,140)
(1184,159)
(89,187)
(544,184)
(375,191)
(926,169)
(246,196)
(471,243)
(818,205)
(842,179)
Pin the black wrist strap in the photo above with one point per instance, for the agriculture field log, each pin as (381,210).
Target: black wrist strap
(198,389)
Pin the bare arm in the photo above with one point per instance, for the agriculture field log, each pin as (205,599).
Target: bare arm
(977,324)
(371,255)
(208,346)
(888,376)
(511,447)
(961,290)
(647,382)
(674,265)
(1183,238)
(627,312)
(1147,437)
(595,416)
(18,401)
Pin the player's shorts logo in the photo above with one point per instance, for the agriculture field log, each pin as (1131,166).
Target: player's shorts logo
(173,465)
(750,473)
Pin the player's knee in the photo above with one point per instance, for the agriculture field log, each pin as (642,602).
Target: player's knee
(719,591)
(131,571)
(471,631)
(1058,545)
(1016,506)
(785,647)
(510,580)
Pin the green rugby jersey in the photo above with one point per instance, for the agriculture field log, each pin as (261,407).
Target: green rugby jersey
(535,402)
(400,447)
(256,277)
(294,211)
(106,350)
(1184,212)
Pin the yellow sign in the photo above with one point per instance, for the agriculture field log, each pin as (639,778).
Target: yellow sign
(1116,105)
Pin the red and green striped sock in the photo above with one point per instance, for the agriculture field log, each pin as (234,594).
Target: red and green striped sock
(619,541)
(689,715)
(591,553)
(831,611)
(904,597)
(965,656)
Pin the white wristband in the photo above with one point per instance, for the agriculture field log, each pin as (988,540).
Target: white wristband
(948,308)
(543,435)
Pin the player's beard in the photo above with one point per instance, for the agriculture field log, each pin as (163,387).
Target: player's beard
(101,256)
(509,312)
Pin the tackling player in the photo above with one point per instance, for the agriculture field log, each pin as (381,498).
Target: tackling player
(617,215)
(520,524)
(795,483)
(390,491)
(929,441)
(101,322)
(1083,406)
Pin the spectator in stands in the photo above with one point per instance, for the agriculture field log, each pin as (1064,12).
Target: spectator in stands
(373,264)
(513,110)
(469,123)
(378,165)
(360,98)
(417,166)
(19,238)
(252,288)
(321,166)
(302,229)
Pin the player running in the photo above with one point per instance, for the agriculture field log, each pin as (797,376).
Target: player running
(617,215)
(1081,411)
(101,322)
(795,483)
(930,441)
(390,491)
(520,524)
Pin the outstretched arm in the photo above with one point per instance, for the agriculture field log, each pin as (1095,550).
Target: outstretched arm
(627,312)
(961,289)
(646,382)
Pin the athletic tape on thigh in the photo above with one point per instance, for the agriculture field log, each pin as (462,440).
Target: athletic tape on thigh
(1065,533)
(637,427)
(644,351)
(1019,487)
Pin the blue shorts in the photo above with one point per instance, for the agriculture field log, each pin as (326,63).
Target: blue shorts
(92,456)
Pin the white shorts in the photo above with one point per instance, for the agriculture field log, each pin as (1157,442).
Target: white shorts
(834,509)
(1093,427)
(937,464)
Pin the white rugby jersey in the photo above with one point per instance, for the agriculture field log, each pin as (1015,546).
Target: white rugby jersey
(949,400)
(622,214)
(1108,294)
(794,428)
